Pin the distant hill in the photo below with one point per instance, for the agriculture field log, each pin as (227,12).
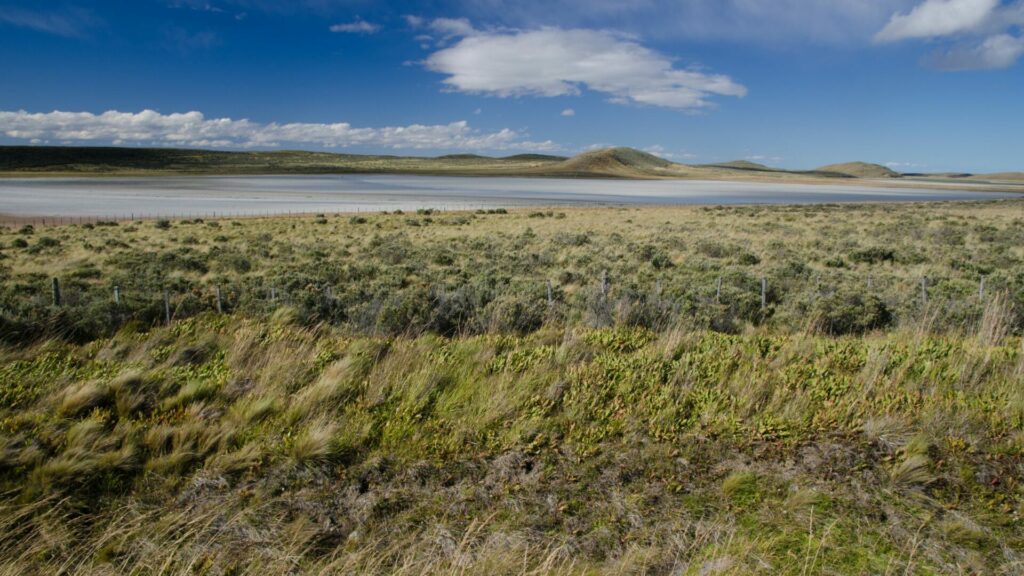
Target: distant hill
(536,157)
(43,160)
(462,157)
(1001,176)
(614,162)
(743,165)
(859,170)
(628,163)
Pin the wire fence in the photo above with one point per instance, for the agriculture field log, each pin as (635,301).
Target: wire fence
(858,303)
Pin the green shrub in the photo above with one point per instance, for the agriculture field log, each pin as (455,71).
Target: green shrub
(874,255)
(852,313)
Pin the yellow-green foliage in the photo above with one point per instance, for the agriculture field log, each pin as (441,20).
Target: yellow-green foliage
(830,269)
(234,444)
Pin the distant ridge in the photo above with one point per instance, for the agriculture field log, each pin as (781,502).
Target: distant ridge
(742,165)
(859,170)
(615,162)
(540,157)
(462,157)
(1003,176)
(625,163)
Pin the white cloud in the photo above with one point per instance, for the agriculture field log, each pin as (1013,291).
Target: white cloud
(70,22)
(557,62)
(986,33)
(451,27)
(935,18)
(999,51)
(568,112)
(193,129)
(356,27)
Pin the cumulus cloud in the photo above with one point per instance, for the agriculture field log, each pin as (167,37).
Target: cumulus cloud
(568,112)
(194,129)
(556,62)
(356,27)
(934,18)
(451,27)
(999,51)
(986,33)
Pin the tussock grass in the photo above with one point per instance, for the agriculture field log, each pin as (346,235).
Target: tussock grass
(439,416)
(566,451)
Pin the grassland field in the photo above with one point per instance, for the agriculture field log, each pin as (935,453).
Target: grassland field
(578,391)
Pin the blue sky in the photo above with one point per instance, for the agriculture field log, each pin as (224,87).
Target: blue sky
(921,85)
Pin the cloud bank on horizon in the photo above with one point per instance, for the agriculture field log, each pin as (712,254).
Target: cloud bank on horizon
(194,129)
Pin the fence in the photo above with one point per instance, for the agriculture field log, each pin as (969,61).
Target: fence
(748,298)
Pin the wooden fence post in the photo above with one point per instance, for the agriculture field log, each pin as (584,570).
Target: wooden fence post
(220,301)
(718,291)
(167,306)
(551,298)
(981,289)
(764,293)
(924,291)
(117,295)
(57,300)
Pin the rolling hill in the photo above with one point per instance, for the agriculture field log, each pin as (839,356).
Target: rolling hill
(614,162)
(743,165)
(859,170)
(627,163)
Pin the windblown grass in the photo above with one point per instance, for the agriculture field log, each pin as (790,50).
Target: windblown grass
(576,451)
(440,411)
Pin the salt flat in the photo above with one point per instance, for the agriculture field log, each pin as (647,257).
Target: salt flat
(255,195)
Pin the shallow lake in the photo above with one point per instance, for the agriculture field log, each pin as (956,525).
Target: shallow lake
(254,195)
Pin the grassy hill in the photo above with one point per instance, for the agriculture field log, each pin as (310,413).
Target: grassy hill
(1001,177)
(859,170)
(589,391)
(614,162)
(742,165)
(114,161)
(628,163)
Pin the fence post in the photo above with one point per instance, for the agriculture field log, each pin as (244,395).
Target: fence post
(924,291)
(57,300)
(551,298)
(718,291)
(117,295)
(167,306)
(220,301)
(764,293)
(981,289)
(604,282)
